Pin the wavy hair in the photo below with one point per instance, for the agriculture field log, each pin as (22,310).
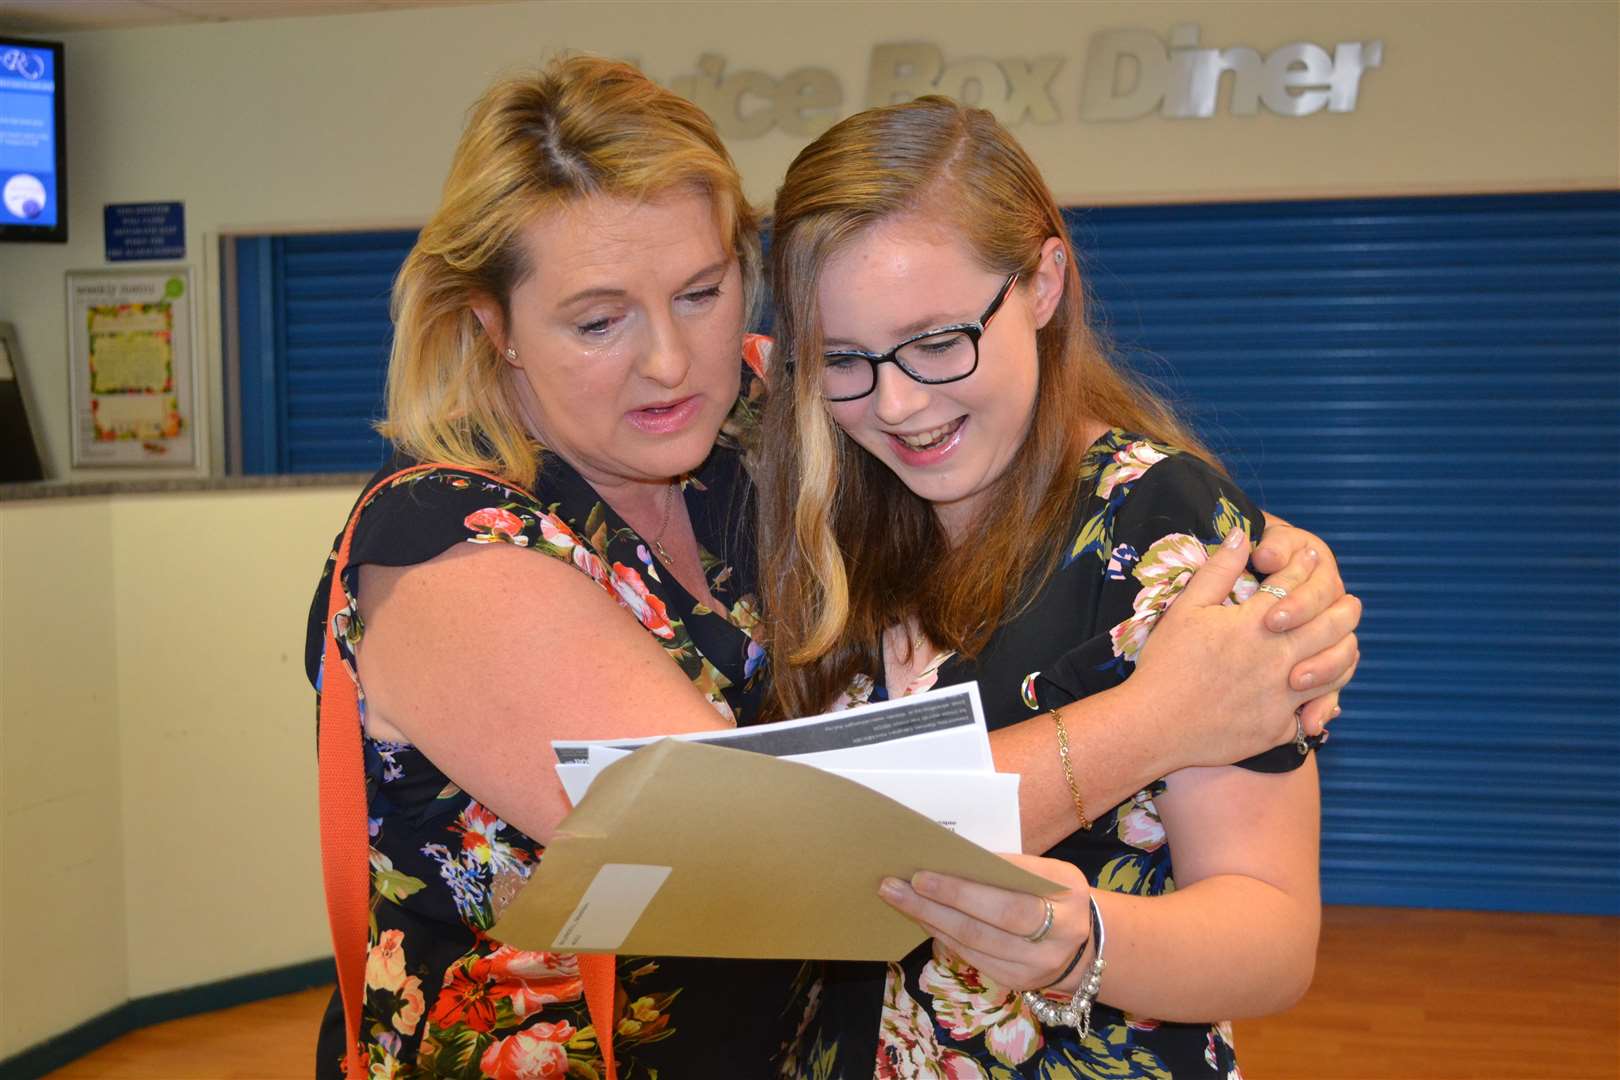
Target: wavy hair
(581,126)
(847,549)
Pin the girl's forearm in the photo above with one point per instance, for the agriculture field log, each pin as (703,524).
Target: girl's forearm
(1226,947)
(1116,749)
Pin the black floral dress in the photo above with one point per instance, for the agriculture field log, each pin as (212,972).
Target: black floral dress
(1150,517)
(442,999)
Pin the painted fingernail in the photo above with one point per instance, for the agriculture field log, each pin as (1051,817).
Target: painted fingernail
(1234,538)
(1279,619)
(1312,554)
(1336,712)
(1307,680)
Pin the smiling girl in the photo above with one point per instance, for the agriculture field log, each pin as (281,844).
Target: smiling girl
(967,488)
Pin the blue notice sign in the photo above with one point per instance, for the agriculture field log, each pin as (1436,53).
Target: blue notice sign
(155,230)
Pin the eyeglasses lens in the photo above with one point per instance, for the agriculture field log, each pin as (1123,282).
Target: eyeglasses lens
(936,358)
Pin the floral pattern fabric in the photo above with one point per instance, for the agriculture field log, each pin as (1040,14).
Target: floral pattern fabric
(441,998)
(1149,517)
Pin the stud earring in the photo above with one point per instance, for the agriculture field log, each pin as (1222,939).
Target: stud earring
(511,355)
(1058,256)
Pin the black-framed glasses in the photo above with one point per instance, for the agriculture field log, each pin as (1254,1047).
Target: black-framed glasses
(942,355)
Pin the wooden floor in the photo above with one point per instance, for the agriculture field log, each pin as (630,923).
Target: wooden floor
(1399,995)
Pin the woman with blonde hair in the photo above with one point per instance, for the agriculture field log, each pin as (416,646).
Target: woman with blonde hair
(564,549)
(1040,513)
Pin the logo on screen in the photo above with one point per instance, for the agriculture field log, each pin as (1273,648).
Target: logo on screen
(22,62)
(24,196)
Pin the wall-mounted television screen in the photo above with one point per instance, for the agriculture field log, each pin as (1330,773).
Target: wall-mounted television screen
(32,152)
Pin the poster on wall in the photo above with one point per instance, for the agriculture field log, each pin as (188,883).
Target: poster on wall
(133,367)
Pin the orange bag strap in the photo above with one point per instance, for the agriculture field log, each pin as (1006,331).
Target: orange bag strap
(346,840)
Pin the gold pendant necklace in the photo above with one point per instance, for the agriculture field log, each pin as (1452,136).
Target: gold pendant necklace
(658,541)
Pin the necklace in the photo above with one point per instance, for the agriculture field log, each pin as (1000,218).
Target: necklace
(658,541)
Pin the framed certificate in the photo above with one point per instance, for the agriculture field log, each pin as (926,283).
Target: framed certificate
(132,361)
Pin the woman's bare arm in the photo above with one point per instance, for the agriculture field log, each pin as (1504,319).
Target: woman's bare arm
(484,654)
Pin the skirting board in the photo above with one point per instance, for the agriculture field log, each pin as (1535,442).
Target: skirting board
(59,1050)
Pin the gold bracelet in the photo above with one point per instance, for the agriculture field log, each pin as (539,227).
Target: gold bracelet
(1068,769)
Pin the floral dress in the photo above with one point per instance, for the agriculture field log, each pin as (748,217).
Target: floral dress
(441,998)
(1150,517)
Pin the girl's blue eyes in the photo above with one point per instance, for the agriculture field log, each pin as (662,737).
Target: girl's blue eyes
(598,327)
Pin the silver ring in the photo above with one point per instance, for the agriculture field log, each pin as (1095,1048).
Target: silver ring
(1300,743)
(1046,926)
(1275,590)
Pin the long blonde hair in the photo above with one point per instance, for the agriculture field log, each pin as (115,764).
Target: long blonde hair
(847,549)
(581,126)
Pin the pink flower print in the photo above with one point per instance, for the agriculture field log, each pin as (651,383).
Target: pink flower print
(967,1005)
(1129,636)
(385,963)
(1139,826)
(495,525)
(531,980)
(555,533)
(589,563)
(1127,465)
(907,1047)
(1245,586)
(646,607)
(532,1053)
(411,1006)
(1171,560)
(757,349)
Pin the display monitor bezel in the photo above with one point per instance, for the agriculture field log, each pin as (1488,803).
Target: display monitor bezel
(57,233)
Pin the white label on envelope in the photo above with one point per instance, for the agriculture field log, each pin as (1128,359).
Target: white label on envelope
(608,911)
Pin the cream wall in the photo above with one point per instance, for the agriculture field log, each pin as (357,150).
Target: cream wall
(217,730)
(157,779)
(342,121)
(157,784)
(63,940)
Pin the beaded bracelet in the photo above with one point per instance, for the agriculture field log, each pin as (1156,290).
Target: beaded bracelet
(1076,1012)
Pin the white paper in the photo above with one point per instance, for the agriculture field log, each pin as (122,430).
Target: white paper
(945,727)
(929,752)
(978,806)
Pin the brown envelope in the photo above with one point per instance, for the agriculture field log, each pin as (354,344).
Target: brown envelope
(767,859)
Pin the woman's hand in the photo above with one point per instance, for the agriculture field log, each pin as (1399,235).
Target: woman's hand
(1319,594)
(987,926)
(1224,673)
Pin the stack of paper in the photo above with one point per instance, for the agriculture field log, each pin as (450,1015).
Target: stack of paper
(770,842)
(930,752)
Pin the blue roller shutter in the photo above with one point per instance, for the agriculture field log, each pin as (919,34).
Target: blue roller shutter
(1434,385)
(314,336)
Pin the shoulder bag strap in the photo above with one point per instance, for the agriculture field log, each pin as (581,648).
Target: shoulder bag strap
(345,839)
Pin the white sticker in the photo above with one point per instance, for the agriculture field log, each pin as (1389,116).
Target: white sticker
(612,904)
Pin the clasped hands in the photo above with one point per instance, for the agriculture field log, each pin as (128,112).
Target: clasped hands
(1313,625)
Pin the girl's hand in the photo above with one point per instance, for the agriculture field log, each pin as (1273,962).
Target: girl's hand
(1224,673)
(987,926)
